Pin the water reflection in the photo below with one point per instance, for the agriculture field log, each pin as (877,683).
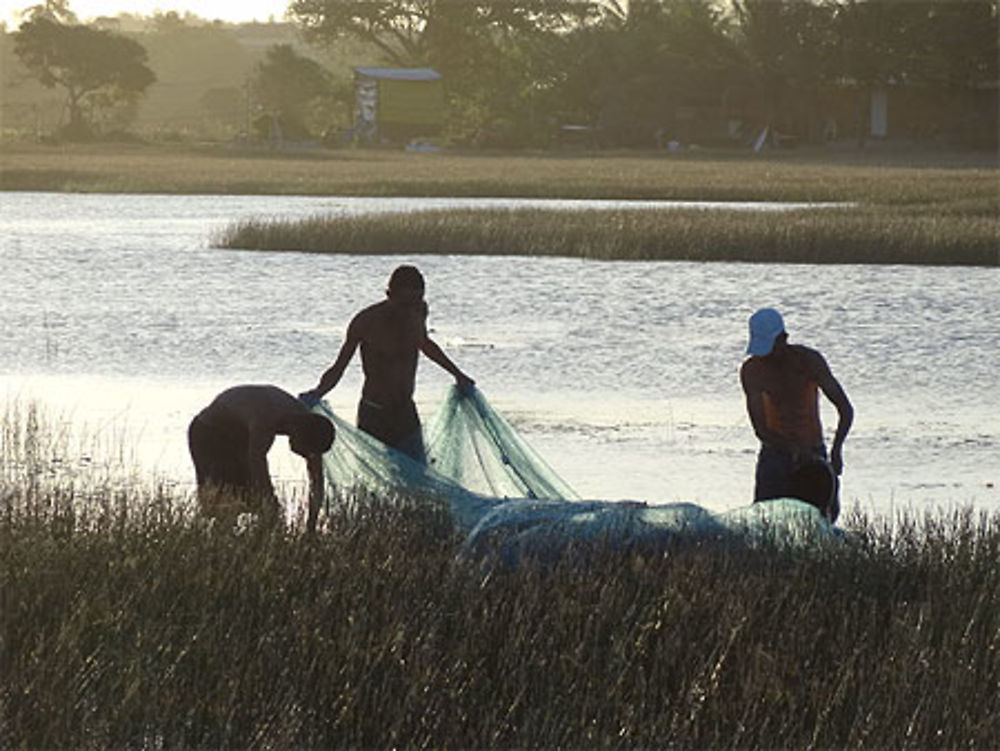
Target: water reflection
(623,375)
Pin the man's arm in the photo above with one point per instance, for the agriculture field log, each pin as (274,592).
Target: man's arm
(431,349)
(331,377)
(314,465)
(833,391)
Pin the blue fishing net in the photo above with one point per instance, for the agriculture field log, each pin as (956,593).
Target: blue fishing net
(507,502)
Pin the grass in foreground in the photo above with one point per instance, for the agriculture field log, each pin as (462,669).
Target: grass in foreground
(128,622)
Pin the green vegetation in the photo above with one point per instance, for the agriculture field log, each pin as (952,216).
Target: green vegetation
(297,94)
(207,81)
(127,622)
(898,214)
(936,208)
(933,183)
(102,73)
(517,72)
(696,71)
(806,236)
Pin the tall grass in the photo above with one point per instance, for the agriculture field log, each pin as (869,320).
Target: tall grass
(864,235)
(914,207)
(127,621)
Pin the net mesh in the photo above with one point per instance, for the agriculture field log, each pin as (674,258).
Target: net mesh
(505,499)
(472,445)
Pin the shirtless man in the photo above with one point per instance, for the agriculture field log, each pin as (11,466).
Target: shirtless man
(782,383)
(229,441)
(390,334)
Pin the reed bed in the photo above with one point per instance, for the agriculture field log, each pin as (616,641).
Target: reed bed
(828,235)
(910,207)
(127,621)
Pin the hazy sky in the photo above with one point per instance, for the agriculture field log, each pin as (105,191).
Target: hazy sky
(226,10)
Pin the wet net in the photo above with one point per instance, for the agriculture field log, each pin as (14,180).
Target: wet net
(505,500)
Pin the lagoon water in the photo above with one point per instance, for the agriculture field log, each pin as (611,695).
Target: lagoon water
(121,321)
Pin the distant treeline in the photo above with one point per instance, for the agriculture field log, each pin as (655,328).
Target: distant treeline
(206,84)
(647,73)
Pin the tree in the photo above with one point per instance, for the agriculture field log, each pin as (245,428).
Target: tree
(404,30)
(488,51)
(54,10)
(98,69)
(296,90)
(937,42)
(634,73)
(191,58)
(788,48)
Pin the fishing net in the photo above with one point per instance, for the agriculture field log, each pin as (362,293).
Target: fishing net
(555,531)
(475,461)
(472,444)
(507,501)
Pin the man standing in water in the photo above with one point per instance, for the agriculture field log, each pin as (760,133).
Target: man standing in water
(229,441)
(781,382)
(391,334)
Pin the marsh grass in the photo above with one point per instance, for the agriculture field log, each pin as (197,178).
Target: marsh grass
(863,235)
(129,622)
(912,207)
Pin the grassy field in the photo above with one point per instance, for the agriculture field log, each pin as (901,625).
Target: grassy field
(128,622)
(959,183)
(930,208)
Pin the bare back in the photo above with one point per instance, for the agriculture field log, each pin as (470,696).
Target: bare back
(783,394)
(254,408)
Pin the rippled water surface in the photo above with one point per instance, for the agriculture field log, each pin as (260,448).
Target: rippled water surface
(118,317)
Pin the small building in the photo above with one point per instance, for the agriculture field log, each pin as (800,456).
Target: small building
(397,104)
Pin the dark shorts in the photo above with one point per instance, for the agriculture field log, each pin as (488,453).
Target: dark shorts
(219,456)
(808,478)
(396,426)
(222,471)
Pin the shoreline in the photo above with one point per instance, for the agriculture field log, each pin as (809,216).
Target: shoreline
(922,207)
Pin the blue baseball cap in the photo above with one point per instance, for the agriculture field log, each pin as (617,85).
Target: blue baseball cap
(765,326)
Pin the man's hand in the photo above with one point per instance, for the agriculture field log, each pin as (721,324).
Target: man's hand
(309,398)
(465,384)
(837,461)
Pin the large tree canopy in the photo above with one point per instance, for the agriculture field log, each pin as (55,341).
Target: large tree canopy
(97,68)
(404,30)
(492,53)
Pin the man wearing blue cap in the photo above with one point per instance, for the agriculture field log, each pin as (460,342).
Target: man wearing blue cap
(782,382)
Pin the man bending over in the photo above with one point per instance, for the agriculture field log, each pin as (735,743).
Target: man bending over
(229,441)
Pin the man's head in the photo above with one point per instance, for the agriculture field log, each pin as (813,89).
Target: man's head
(406,284)
(310,434)
(766,327)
